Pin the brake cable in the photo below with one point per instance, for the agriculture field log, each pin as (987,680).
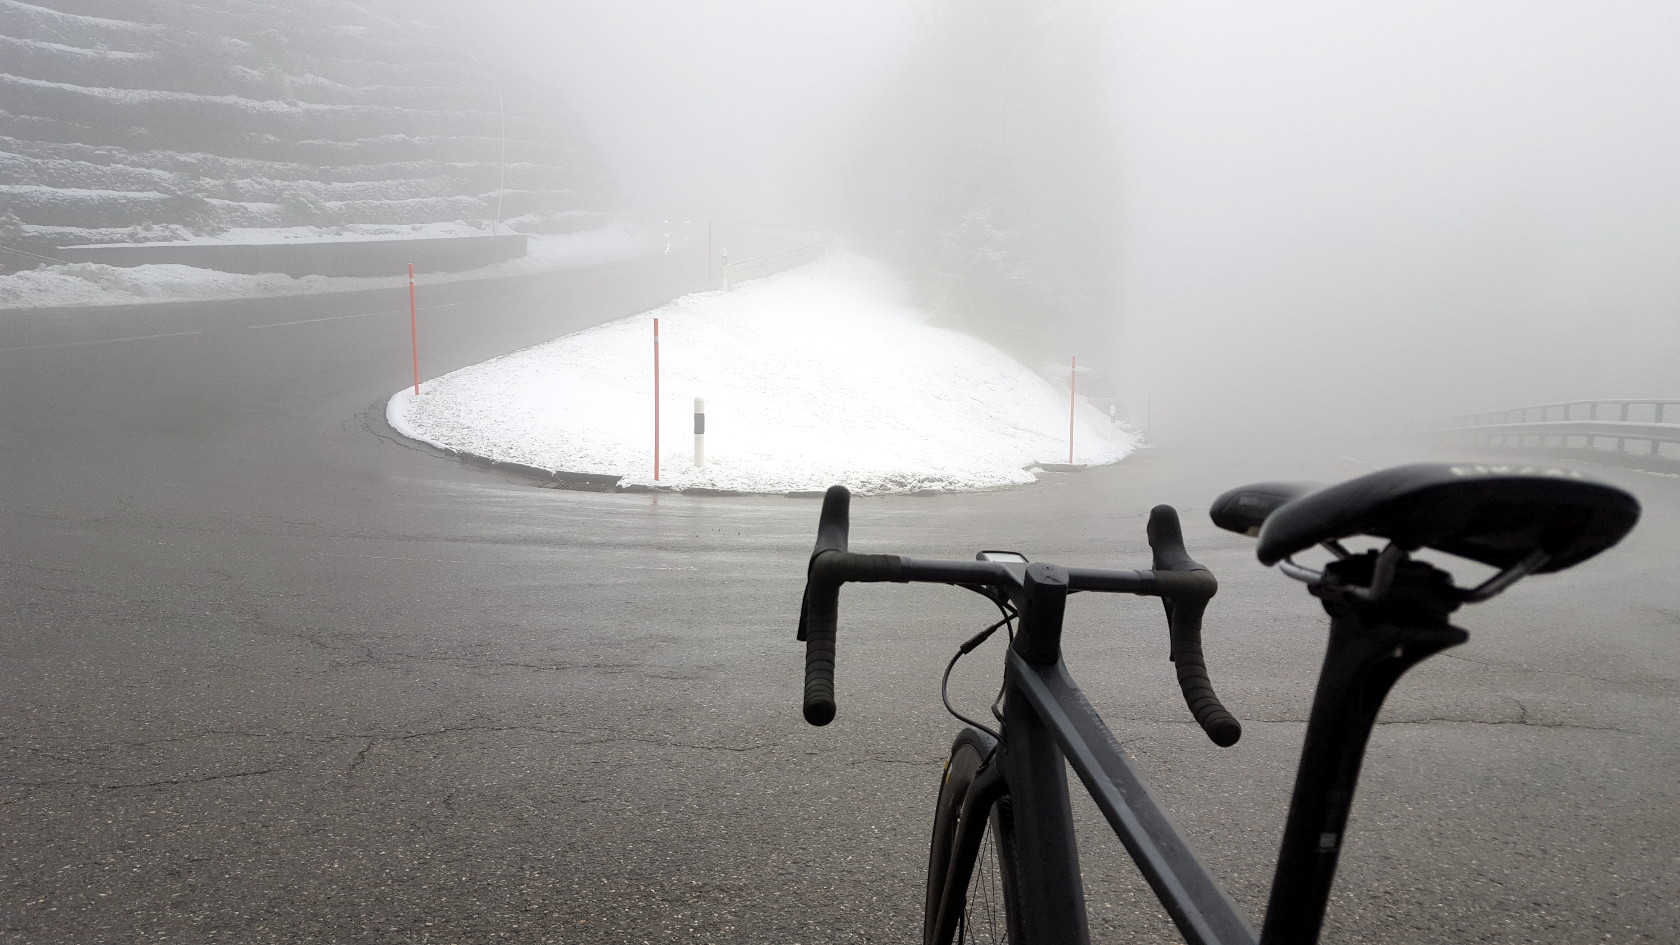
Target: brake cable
(968,647)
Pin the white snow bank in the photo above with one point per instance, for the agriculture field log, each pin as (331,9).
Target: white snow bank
(98,284)
(266,235)
(816,376)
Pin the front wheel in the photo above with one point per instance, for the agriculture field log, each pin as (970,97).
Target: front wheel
(980,871)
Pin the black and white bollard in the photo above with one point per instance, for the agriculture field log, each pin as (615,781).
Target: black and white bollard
(699,431)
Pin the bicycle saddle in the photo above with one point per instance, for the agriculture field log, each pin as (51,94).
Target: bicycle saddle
(1497,515)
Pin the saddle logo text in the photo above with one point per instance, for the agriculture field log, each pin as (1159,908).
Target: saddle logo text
(1515,471)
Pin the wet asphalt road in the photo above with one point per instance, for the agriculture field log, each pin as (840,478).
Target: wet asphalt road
(269,675)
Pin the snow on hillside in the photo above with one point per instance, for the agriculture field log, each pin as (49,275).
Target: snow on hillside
(96,284)
(242,114)
(47,14)
(820,375)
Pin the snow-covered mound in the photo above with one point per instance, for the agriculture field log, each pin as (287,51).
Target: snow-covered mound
(813,377)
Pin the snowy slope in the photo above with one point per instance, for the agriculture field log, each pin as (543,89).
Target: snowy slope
(816,376)
(164,117)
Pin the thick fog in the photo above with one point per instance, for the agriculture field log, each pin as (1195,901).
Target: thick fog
(1265,215)
(740,110)
(1350,211)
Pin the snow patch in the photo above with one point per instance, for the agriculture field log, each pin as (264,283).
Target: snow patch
(813,377)
(78,284)
(355,232)
(90,21)
(82,51)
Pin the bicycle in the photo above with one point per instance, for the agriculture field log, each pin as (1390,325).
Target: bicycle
(1005,787)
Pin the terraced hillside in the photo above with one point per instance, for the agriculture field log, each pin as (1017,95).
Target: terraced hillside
(124,120)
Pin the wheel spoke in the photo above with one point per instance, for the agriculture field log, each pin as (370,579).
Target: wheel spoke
(983,915)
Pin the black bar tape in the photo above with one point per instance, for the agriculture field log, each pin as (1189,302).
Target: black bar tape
(1186,587)
(835,567)
(820,613)
(820,616)
(1184,621)
(819,677)
(1210,714)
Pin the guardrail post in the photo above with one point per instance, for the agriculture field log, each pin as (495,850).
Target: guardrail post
(1073,401)
(414,329)
(699,431)
(656,399)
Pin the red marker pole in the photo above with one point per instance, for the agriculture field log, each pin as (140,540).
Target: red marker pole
(656,399)
(1073,387)
(414,329)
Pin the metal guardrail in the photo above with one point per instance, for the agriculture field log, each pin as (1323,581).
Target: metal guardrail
(12,253)
(820,242)
(1607,425)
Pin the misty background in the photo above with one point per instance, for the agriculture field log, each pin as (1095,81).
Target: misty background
(1255,218)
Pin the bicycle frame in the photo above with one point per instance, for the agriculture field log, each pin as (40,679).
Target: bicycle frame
(1049,724)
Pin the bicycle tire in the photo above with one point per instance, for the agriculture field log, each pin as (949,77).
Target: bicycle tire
(988,877)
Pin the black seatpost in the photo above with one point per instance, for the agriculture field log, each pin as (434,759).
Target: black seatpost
(1372,644)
